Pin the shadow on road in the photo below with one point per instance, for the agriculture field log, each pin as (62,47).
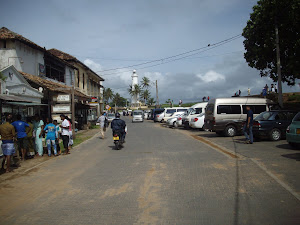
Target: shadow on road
(287,146)
(295,156)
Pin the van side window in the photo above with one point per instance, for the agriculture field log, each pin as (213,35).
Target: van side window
(171,111)
(256,109)
(229,109)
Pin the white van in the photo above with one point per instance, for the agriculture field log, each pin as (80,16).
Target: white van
(169,111)
(195,110)
(225,115)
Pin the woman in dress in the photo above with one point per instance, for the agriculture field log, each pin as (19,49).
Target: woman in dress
(38,128)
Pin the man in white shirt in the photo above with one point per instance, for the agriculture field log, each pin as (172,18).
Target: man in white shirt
(101,120)
(65,132)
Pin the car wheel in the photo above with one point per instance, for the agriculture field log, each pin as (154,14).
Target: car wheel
(275,134)
(230,131)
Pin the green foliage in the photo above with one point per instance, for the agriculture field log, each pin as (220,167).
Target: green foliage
(118,100)
(294,97)
(260,39)
(151,101)
(107,95)
(145,83)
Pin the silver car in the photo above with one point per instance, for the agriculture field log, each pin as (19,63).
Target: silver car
(137,116)
(110,117)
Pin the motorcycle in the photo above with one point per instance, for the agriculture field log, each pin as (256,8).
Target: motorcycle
(118,140)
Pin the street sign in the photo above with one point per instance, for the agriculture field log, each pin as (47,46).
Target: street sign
(107,107)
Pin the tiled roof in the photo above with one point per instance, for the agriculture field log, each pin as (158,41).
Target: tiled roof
(6,34)
(65,56)
(51,85)
(62,55)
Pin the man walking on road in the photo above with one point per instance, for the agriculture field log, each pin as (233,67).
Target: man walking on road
(7,132)
(248,126)
(102,120)
(20,127)
(65,132)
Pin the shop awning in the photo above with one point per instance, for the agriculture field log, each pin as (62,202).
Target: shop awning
(26,103)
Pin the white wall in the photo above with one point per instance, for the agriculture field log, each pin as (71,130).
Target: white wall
(4,56)
(31,58)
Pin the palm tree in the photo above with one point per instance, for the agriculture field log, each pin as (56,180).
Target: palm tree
(145,95)
(107,94)
(151,101)
(145,82)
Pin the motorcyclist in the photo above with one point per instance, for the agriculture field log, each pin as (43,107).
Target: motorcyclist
(119,126)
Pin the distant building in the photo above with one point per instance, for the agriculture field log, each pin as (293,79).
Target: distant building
(134,98)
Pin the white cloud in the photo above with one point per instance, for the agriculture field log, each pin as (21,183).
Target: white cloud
(211,76)
(93,65)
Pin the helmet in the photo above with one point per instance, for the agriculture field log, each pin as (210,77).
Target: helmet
(117,115)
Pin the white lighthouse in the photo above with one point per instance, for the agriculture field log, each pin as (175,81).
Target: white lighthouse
(134,98)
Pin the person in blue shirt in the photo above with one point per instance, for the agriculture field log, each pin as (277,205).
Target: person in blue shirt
(51,137)
(20,127)
(248,126)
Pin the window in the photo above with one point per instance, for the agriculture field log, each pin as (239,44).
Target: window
(3,44)
(256,109)
(78,79)
(229,109)
(171,111)
(297,117)
(281,116)
(83,81)
(181,110)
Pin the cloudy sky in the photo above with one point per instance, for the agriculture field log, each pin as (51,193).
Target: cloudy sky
(116,34)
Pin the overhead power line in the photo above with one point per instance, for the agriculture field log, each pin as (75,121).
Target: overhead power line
(209,46)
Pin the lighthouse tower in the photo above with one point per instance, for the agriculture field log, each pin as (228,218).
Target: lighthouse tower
(134,98)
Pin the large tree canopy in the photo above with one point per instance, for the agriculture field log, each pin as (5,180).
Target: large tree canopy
(260,38)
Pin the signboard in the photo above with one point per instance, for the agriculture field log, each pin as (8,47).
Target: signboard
(60,108)
(63,98)
(42,70)
(107,107)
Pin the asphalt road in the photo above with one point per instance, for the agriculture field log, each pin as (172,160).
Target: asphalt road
(162,176)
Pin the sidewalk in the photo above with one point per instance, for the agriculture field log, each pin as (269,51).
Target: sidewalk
(276,158)
(30,164)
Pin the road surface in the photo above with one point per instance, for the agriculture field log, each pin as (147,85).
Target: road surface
(162,176)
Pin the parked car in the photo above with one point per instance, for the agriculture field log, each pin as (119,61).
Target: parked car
(272,124)
(192,112)
(169,111)
(197,122)
(159,117)
(154,112)
(137,116)
(165,119)
(225,115)
(110,117)
(293,131)
(171,122)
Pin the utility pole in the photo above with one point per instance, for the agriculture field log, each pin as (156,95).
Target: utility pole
(157,100)
(280,100)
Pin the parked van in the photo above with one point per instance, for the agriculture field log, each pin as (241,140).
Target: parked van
(155,112)
(169,111)
(225,115)
(195,110)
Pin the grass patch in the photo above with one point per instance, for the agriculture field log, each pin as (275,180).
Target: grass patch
(95,126)
(78,140)
(294,97)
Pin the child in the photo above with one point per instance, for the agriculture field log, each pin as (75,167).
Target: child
(57,129)
(51,136)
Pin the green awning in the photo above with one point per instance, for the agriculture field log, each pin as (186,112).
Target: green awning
(25,103)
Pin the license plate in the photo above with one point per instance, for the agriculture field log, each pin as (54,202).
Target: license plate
(298,131)
(116,138)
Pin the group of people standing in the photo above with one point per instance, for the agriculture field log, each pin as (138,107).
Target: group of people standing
(28,137)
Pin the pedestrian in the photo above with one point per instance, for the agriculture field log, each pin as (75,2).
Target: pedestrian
(248,91)
(272,88)
(102,120)
(65,133)
(38,126)
(275,88)
(57,130)
(207,98)
(7,132)
(70,133)
(267,88)
(248,126)
(51,137)
(264,92)
(29,139)
(20,127)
